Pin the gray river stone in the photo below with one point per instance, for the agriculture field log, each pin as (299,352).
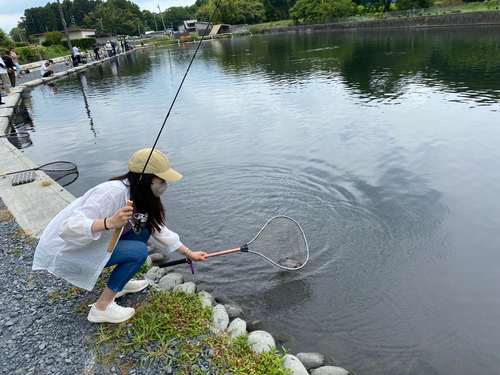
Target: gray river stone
(153,249)
(155,273)
(312,360)
(170,281)
(157,259)
(294,364)
(206,298)
(257,325)
(220,318)
(188,287)
(237,328)
(234,311)
(261,341)
(330,370)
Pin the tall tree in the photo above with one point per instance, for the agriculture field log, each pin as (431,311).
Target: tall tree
(278,9)
(115,18)
(17,34)
(233,12)
(312,10)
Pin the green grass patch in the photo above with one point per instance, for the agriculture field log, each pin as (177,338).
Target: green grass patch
(17,252)
(164,327)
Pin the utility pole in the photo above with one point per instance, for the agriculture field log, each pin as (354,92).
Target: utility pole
(156,26)
(161,14)
(65,27)
(139,27)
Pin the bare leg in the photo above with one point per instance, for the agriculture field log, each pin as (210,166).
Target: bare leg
(105,299)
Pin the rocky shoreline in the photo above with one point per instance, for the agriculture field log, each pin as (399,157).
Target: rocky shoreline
(44,327)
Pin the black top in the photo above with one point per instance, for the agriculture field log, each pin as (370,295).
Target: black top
(8,62)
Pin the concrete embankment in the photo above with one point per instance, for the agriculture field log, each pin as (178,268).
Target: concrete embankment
(444,20)
(33,204)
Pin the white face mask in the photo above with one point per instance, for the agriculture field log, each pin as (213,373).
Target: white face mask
(159,189)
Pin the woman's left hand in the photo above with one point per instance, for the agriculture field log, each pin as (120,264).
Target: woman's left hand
(196,256)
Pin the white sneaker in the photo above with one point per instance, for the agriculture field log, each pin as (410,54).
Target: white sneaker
(112,314)
(133,286)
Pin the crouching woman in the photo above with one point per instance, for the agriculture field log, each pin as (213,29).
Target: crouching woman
(74,244)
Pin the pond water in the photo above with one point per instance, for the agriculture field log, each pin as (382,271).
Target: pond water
(383,145)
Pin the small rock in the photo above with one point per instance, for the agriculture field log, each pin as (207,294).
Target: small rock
(261,341)
(224,300)
(312,360)
(233,311)
(188,287)
(329,370)
(220,318)
(158,258)
(295,365)
(281,337)
(206,298)
(237,328)
(170,281)
(155,273)
(257,325)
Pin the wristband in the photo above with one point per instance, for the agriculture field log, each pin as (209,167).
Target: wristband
(185,252)
(105,227)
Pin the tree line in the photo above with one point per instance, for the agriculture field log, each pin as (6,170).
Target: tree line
(125,17)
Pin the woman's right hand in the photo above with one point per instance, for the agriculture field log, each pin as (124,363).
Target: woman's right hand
(120,218)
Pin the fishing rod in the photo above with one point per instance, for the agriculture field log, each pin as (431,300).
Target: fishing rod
(117,232)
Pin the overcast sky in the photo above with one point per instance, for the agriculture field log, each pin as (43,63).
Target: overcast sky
(11,11)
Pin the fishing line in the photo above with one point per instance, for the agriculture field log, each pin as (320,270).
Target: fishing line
(175,97)
(117,232)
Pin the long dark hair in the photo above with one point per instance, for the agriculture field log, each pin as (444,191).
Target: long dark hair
(145,201)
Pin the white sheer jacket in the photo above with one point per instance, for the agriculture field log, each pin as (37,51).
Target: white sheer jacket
(68,249)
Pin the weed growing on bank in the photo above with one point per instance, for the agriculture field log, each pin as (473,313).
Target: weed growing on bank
(6,215)
(175,327)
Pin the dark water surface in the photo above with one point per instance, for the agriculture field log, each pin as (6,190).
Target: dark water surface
(383,145)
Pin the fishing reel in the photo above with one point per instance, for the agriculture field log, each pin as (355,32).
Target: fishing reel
(140,222)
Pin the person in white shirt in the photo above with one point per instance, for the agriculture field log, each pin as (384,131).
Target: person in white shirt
(74,244)
(109,48)
(76,51)
(4,75)
(45,70)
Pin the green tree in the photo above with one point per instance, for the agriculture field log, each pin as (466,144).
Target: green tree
(312,10)
(233,12)
(115,17)
(175,16)
(410,4)
(17,34)
(52,38)
(47,18)
(278,9)
(4,40)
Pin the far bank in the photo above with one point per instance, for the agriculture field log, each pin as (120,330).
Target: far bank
(491,17)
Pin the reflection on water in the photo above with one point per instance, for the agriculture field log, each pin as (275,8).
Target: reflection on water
(381,144)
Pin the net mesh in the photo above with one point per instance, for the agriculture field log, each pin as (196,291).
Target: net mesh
(63,172)
(282,242)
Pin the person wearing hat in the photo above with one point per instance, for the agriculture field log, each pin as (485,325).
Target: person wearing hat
(74,244)
(15,60)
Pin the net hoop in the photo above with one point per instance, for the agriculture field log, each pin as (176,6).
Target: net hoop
(270,260)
